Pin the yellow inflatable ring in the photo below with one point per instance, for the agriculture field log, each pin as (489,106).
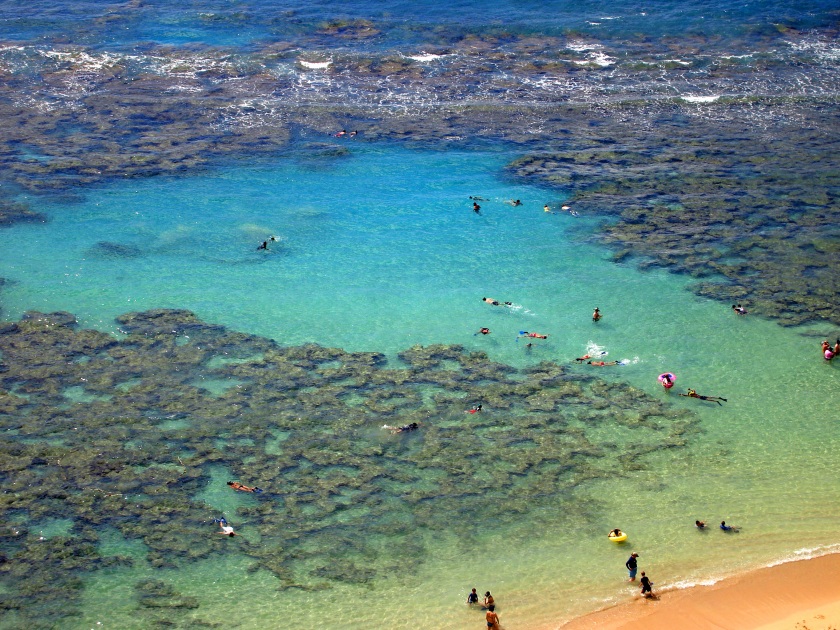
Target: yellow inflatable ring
(617,539)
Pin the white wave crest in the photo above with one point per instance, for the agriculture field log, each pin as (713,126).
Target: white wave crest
(701,99)
(425,57)
(315,65)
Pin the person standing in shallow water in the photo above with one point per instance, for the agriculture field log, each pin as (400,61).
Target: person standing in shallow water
(632,566)
(492,618)
(596,315)
(647,586)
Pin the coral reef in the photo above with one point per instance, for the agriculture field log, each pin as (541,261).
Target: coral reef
(138,454)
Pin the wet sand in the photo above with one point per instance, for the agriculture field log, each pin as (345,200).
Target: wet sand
(801,595)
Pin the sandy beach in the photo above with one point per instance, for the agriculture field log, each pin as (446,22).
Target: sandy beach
(800,595)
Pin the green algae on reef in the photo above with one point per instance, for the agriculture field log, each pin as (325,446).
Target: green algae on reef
(304,425)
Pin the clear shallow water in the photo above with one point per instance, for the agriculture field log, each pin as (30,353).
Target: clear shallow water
(381,250)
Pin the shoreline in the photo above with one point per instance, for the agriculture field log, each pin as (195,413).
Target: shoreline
(796,595)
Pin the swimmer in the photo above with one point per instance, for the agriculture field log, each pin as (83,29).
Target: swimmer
(482,331)
(728,528)
(353,134)
(263,246)
(738,309)
(241,487)
(693,394)
(596,315)
(474,409)
(603,363)
(227,530)
(533,335)
(514,202)
(403,429)
(585,357)
(546,208)
(700,524)
(475,198)
(341,133)
(476,208)
(495,302)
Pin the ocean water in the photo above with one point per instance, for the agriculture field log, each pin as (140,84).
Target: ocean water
(377,250)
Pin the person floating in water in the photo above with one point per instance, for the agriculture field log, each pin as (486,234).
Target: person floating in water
(586,357)
(341,133)
(514,202)
(546,208)
(482,331)
(242,487)
(603,363)
(616,533)
(476,208)
(474,409)
(728,528)
(227,530)
(476,198)
(533,335)
(403,429)
(596,315)
(693,394)
(495,302)
(263,246)
(353,134)
(738,309)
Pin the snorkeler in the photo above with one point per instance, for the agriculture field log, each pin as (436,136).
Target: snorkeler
(603,363)
(227,530)
(242,487)
(514,202)
(495,302)
(693,394)
(403,429)
(533,335)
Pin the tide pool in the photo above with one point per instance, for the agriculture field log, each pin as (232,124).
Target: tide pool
(381,250)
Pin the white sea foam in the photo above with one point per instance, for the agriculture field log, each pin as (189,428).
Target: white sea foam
(701,99)
(315,65)
(425,57)
(579,46)
(599,59)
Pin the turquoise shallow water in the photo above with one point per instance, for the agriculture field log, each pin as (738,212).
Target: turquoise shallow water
(381,250)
